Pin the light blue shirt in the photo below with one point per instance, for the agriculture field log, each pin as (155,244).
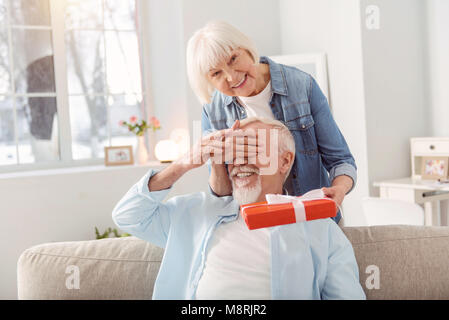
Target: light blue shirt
(309,260)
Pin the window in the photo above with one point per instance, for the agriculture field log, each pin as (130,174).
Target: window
(70,70)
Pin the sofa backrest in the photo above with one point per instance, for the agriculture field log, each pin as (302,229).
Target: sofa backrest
(111,268)
(395,262)
(402,262)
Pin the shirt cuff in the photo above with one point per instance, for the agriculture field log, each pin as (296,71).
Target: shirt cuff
(344,169)
(142,187)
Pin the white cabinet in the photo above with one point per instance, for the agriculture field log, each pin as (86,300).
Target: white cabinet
(430,194)
(425,147)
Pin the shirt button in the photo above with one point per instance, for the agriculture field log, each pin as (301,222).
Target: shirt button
(303,126)
(294,176)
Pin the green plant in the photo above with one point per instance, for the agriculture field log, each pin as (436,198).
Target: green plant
(139,127)
(108,232)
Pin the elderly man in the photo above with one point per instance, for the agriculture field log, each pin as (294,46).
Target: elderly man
(209,251)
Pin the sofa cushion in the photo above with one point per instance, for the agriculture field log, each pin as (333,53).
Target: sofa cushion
(413,261)
(112,268)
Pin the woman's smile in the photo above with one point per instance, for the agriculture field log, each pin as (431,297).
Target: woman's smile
(241,83)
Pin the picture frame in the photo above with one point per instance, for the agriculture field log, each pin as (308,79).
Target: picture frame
(434,168)
(314,64)
(118,155)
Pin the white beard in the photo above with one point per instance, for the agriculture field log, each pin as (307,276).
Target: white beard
(245,195)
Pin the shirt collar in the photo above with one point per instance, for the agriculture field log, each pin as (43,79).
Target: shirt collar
(232,209)
(278,83)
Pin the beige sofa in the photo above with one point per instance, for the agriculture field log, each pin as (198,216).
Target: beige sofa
(410,262)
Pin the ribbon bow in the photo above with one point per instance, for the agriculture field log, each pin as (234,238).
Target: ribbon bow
(297,202)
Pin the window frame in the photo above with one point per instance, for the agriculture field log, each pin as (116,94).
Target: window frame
(58,29)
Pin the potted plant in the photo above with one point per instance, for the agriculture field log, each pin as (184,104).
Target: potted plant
(108,232)
(138,127)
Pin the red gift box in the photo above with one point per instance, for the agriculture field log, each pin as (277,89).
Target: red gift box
(261,214)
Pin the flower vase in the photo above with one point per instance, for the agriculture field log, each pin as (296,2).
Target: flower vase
(141,151)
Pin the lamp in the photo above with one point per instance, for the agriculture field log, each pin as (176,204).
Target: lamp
(182,138)
(166,151)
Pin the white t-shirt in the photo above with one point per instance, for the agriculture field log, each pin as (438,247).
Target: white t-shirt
(238,264)
(258,105)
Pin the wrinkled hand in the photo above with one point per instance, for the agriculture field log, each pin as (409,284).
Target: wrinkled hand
(336,193)
(222,147)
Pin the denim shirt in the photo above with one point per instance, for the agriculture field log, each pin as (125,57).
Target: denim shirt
(309,260)
(297,101)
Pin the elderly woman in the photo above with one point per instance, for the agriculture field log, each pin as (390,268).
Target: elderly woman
(233,82)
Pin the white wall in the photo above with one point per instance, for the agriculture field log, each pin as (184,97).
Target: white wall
(164,58)
(60,205)
(378,80)
(395,87)
(334,27)
(437,75)
(406,76)
(438,60)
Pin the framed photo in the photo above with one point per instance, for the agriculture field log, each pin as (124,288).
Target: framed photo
(116,156)
(313,63)
(434,168)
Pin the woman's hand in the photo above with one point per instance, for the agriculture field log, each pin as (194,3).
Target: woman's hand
(340,187)
(222,147)
(336,193)
(238,146)
(219,181)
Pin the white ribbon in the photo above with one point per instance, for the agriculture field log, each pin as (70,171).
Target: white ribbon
(297,202)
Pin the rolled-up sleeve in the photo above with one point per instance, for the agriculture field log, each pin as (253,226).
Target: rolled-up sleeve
(344,169)
(143,214)
(335,153)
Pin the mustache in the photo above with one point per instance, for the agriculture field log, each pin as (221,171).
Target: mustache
(244,169)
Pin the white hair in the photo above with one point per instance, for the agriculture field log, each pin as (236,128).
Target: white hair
(285,137)
(207,47)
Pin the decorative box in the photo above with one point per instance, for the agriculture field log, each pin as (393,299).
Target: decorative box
(286,210)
